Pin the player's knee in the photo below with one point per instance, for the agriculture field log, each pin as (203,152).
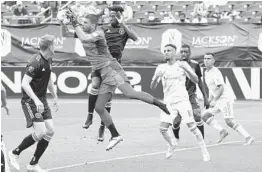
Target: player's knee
(50,132)
(163,130)
(40,134)
(96,82)
(206,116)
(231,123)
(99,109)
(197,115)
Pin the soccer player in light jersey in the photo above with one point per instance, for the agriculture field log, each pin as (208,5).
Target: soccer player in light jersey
(173,76)
(220,102)
(112,74)
(191,89)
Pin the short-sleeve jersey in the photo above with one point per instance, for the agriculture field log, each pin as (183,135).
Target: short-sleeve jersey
(116,38)
(173,80)
(190,85)
(97,50)
(40,70)
(213,79)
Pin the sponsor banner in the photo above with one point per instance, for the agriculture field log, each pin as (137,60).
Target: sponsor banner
(238,44)
(74,82)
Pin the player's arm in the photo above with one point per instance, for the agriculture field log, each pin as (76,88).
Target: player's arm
(201,84)
(30,73)
(87,37)
(130,32)
(27,88)
(219,81)
(51,88)
(156,78)
(66,32)
(189,71)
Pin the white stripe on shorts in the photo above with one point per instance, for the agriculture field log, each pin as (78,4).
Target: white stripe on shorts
(29,110)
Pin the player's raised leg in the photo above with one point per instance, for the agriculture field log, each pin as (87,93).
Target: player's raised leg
(208,118)
(129,92)
(96,80)
(107,120)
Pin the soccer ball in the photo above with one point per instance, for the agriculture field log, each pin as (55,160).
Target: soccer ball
(62,18)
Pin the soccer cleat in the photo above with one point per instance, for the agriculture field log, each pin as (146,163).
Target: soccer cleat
(34,168)
(206,157)
(88,122)
(14,160)
(249,140)
(170,151)
(101,133)
(113,142)
(223,135)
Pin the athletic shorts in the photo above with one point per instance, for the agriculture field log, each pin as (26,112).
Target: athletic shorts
(224,106)
(31,114)
(112,76)
(183,108)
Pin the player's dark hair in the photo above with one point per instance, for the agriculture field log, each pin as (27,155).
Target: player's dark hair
(116,9)
(182,14)
(212,54)
(93,18)
(171,45)
(186,46)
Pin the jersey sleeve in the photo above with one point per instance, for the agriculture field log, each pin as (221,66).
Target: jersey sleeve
(158,73)
(218,78)
(32,68)
(198,71)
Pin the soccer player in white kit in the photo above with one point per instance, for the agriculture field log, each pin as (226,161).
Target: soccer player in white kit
(220,102)
(173,76)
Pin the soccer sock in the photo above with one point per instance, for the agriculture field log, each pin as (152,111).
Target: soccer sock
(27,142)
(200,126)
(40,149)
(199,138)
(113,130)
(166,136)
(92,101)
(213,123)
(2,161)
(176,132)
(239,128)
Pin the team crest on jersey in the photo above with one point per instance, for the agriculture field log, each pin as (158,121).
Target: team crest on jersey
(38,115)
(121,31)
(31,69)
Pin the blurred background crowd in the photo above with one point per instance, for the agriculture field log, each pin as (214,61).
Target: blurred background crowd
(37,12)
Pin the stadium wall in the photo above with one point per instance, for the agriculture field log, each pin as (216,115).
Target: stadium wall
(74,82)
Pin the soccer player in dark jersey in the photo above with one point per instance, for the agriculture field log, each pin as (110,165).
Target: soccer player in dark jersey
(37,79)
(191,89)
(112,74)
(116,33)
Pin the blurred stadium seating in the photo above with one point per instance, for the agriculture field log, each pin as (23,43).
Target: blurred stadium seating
(250,11)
